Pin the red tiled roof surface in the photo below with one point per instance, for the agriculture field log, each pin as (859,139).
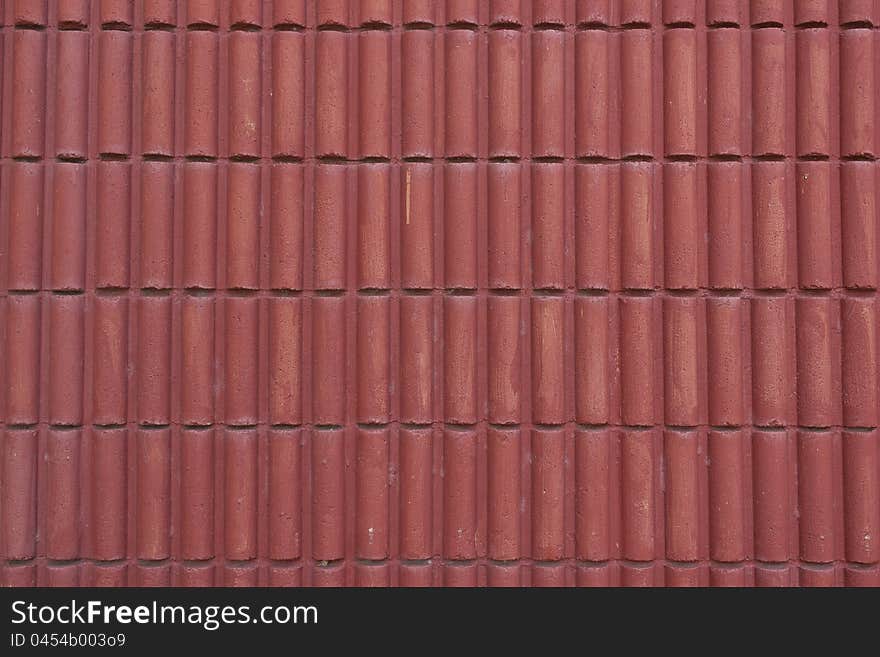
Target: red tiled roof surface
(421,293)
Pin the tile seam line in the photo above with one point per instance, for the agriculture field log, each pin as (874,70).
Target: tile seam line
(303,561)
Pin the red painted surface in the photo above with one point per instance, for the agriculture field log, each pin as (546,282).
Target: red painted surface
(551,293)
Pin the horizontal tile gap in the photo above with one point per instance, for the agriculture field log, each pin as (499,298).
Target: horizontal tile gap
(641,428)
(198,427)
(815,291)
(22,426)
(461,159)
(636,563)
(637,157)
(636,25)
(549,426)
(857,25)
(22,293)
(242,292)
(502,159)
(201,27)
(721,25)
(154,427)
(681,428)
(241,157)
(460,426)
(157,157)
(548,292)
(329,563)
(548,26)
(372,563)
(375,159)
(244,26)
(811,25)
(155,291)
(538,563)
(548,159)
(504,426)
(813,157)
(116,26)
(769,157)
(281,292)
(682,157)
(418,25)
(33,27)
(766,25)
(769,292)
(687,565)
(328,427)
(417,292)
(425,159)
(60,563)
(373,426)
(67,428)
(27,158)
(155,563)
(72,26)
(727,565)
(462,25)
(329,293)
(814,428)
(859,157)
(235,428)
(861,429)
(67,293)
(595,26)
(773,565)
(374,291)
(282,426)
(592,427)
(724,292)
(200,158)
(288,27)
(288,159)
(636,293)
(71,159)
(860,292)
(332,27)
(592,292)
(505,25)
(416,426)
(375,26)
(680,292)
(114,157)
(461,292)
(725,157)
(505,291)
(159,26)
(726,428)
(680,25)
(595,159)
(860,565)
(415,562)
(333,159)
(110,426)
(770,428)
(817,566)
(460,563)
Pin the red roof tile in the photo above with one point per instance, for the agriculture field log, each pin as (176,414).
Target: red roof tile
(551,293)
